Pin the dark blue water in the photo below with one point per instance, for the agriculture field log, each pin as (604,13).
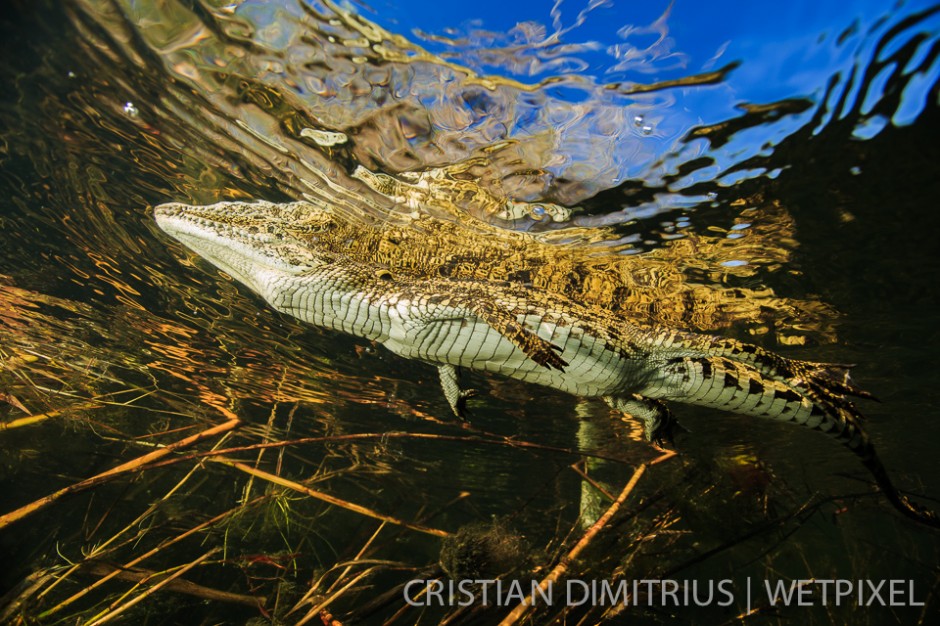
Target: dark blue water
(781,160)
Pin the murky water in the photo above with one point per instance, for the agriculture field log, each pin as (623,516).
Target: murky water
(770,175)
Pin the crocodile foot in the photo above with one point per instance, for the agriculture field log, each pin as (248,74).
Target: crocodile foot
(456,397)
(659,424)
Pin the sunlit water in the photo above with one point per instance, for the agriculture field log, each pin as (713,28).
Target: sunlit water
(777,165)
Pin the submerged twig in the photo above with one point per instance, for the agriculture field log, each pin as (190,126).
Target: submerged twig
(109,614)
(178,585)
(319,495)
(562,567)
(508,442)
(41,417)
(14,599)
(347,567)
(124,468)
(141,558)
(318,609)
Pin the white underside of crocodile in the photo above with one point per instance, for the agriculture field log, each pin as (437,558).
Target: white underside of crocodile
(451,336)
(434,333)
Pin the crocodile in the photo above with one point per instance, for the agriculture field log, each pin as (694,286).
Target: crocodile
(431,293)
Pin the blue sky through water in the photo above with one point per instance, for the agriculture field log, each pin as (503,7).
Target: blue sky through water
(787,49)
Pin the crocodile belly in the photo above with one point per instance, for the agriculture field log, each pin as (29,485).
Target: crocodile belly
(338,308)
(452,337)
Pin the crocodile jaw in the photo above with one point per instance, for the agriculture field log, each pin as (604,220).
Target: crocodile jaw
(250,241)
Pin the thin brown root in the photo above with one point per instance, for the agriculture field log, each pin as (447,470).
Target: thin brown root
(322,606)
(178,585)
(139,559)
(29,420)
(562,567)
(125,468)
(319,495)
(108,614)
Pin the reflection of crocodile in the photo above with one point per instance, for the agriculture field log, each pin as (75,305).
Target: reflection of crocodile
(409,291)
(445,187)
(423,189)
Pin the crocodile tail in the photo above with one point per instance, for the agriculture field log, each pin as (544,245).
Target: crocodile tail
(770,365)
(815,397)
(902,503)
(850,432)
(829,378)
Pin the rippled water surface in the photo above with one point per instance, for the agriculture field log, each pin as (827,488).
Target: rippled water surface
(763,172)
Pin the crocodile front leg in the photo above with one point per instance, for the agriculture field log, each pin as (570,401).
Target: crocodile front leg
(499,318)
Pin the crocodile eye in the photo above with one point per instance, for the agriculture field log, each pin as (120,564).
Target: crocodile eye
(538,212)
(383,275)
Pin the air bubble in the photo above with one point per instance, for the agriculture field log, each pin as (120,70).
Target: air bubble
(638,120)
(855,170)
(131,111)
(647,130)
